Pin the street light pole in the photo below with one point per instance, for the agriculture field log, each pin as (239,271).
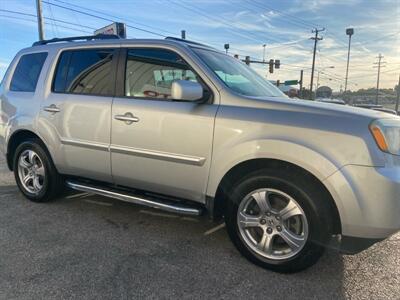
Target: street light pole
(349,32)
(265,45)
(398,96)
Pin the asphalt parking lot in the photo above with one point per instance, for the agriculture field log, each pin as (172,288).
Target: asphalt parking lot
(89,247)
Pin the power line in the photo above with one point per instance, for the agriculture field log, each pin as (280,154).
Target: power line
(379,38)
(35,21)
(52,15)
(104,19)
(395,70)
(46,18)
(100,17)
(295,19)
(113,16)
(119,18)
(228,23)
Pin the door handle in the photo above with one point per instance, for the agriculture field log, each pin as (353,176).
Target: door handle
(52,108)
(128,118)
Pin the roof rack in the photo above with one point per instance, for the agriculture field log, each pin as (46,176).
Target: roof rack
(185,41)
(78,38)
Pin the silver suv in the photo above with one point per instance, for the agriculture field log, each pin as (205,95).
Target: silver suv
(182,127)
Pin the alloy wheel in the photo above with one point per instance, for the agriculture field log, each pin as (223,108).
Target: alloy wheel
(31,171)
(272,224)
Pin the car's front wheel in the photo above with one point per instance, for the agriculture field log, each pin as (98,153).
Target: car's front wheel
(277,220)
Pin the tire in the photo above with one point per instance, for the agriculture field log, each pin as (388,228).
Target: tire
(31,159)
(281,240)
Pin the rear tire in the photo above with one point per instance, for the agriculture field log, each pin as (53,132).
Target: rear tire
(35,173)
(277,219)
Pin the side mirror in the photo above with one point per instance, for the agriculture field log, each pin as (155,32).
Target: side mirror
(186,90)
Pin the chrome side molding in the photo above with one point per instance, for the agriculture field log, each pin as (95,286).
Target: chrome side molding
(141,200)
(166,156)
(85,144)
(180,158)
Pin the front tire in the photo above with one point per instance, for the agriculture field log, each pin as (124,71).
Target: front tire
(35,173)
(277,219)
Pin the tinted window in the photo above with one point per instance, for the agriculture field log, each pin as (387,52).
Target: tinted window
(27,72)
(150,73)
(84,72)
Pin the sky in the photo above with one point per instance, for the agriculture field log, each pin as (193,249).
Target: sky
(284,26)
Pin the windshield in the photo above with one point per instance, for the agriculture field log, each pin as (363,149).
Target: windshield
(237,76)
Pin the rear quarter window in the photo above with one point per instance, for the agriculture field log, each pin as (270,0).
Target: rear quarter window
(27,72)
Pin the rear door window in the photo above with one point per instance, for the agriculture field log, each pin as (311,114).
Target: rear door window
(27,72)
(85,72)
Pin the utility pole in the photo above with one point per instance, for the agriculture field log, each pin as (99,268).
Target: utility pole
(349,32)
(380,65)
(316,39)
(40,19)
(301,84)
(398,96)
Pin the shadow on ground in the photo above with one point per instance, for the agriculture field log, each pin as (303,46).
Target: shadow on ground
(94,247)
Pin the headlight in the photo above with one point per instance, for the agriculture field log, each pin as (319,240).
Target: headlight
(386,133)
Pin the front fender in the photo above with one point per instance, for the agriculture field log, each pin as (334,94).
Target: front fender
(312,160)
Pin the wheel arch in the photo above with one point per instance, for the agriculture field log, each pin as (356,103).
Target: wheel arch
(216,206)
(16,139)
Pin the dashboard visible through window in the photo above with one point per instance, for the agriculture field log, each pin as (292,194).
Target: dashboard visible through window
(150,73)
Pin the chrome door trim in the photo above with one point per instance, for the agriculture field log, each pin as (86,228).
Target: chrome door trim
(52,108)
(85,144)
(180,158)
(128,118)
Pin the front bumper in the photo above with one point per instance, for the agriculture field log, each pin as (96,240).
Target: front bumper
(368,200)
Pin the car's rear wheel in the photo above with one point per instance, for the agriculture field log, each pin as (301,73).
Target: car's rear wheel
(35,173)
(277,220)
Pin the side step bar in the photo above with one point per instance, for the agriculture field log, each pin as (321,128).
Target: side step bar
(169,206)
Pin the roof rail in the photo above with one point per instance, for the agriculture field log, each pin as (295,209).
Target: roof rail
(78,38)
(185,41)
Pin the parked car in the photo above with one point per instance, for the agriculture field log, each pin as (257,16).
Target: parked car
(378,108)
(386,110)
(332,101)
(182,127)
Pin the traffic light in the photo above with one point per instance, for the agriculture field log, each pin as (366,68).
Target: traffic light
(271,66)
(226,46)
(277,63)
(247,60)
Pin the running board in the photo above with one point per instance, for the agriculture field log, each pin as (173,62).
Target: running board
(169,206)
